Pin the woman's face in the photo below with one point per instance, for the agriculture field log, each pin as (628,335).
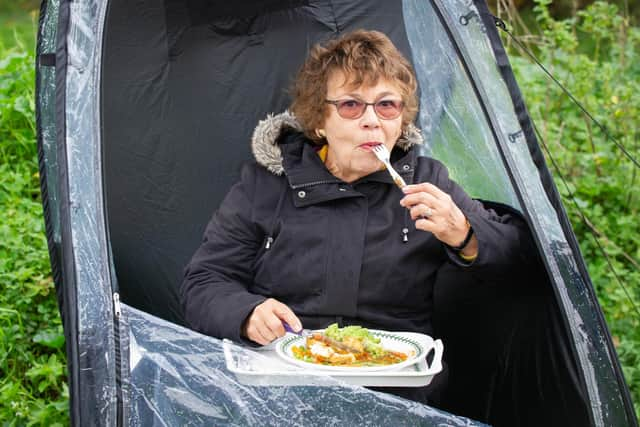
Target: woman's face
(350,141)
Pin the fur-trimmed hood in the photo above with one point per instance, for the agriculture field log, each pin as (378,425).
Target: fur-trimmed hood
(264,142)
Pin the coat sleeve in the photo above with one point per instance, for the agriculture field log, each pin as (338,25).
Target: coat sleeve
(215,290)
(505,244)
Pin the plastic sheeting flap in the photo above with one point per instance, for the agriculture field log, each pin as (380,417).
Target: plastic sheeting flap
(179,377)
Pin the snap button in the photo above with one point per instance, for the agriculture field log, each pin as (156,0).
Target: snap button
(342,189)
(406,167)
(302,194)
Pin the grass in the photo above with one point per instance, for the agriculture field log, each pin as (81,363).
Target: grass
(33,388)
(18,24)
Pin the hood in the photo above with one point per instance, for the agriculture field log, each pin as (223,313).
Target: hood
(265,148)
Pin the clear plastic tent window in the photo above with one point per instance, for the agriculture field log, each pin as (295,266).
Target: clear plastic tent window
(463,149)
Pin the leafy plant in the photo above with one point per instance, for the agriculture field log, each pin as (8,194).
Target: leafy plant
(593,54)
(33,388)
(18,22)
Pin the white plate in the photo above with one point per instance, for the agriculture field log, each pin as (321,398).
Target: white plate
(389,340)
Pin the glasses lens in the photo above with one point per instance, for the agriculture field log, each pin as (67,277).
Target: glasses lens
(350,108)
(388,109)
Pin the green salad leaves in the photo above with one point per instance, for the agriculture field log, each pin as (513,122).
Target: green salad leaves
(349,333)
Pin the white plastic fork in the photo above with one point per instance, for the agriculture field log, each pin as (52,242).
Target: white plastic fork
(383,154)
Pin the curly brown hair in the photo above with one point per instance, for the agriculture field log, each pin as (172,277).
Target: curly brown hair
(363,56)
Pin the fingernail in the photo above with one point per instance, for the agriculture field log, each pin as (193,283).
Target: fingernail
(405,189)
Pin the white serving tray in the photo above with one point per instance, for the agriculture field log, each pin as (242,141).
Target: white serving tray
(263,367)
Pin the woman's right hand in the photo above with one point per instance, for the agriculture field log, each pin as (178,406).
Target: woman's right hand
(264,324)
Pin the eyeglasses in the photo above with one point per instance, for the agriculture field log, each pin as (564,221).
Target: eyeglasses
(386,109)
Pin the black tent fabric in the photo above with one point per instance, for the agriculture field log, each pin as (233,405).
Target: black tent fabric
(145,110)
(195,89)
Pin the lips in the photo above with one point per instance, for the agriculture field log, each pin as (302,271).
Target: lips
(369,145)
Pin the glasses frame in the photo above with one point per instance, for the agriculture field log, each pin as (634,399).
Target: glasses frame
(335,102)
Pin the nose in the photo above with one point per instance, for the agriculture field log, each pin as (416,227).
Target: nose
(369,119)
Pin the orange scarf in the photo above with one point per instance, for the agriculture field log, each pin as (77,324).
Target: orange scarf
(322,152)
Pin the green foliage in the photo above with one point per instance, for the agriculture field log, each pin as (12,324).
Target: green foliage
(593,55)
(18,22)
(33,388)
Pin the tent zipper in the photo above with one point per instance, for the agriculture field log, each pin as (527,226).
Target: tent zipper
(116,304)
(117,311)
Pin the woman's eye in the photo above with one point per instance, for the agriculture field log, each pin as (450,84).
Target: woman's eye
(386,104)
(352,103)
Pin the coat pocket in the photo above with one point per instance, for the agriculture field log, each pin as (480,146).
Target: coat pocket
(294,266)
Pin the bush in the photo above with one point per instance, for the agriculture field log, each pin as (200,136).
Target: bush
(33,388)
(593,54)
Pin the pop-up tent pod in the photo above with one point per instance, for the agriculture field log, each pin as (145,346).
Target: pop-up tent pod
(145,113)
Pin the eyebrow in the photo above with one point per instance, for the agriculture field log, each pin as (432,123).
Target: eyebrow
(381,95)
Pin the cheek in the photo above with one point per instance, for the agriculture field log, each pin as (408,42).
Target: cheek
(342,135)
(395,131)
(334,128)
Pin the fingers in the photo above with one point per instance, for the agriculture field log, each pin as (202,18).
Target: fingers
(265,322)
(425,187)
(429,225)
(261,333)
(285,314)
(424,205)
(421,211)
(420,198)
(434,211)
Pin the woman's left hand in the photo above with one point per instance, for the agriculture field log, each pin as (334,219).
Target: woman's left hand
(434,210)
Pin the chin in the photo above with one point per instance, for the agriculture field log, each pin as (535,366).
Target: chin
(366,168)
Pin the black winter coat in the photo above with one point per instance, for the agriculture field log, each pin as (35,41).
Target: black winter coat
(332,251)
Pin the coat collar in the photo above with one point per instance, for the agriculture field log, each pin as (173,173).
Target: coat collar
(267,148)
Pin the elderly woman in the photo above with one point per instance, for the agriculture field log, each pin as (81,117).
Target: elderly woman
(316,231)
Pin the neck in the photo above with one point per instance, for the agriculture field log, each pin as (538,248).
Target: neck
(339,172)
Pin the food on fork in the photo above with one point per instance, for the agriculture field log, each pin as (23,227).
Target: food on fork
(348,346)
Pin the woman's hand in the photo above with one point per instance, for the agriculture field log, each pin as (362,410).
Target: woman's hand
(433,210)
(264,324)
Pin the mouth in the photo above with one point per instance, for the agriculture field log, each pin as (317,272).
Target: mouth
(368,146)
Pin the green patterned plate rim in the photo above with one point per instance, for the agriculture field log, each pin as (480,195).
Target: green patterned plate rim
(283,349)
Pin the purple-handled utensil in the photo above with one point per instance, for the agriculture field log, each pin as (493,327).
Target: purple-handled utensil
(301,332)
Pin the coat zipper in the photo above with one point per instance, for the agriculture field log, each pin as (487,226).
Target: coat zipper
(310,184)
(269,242)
